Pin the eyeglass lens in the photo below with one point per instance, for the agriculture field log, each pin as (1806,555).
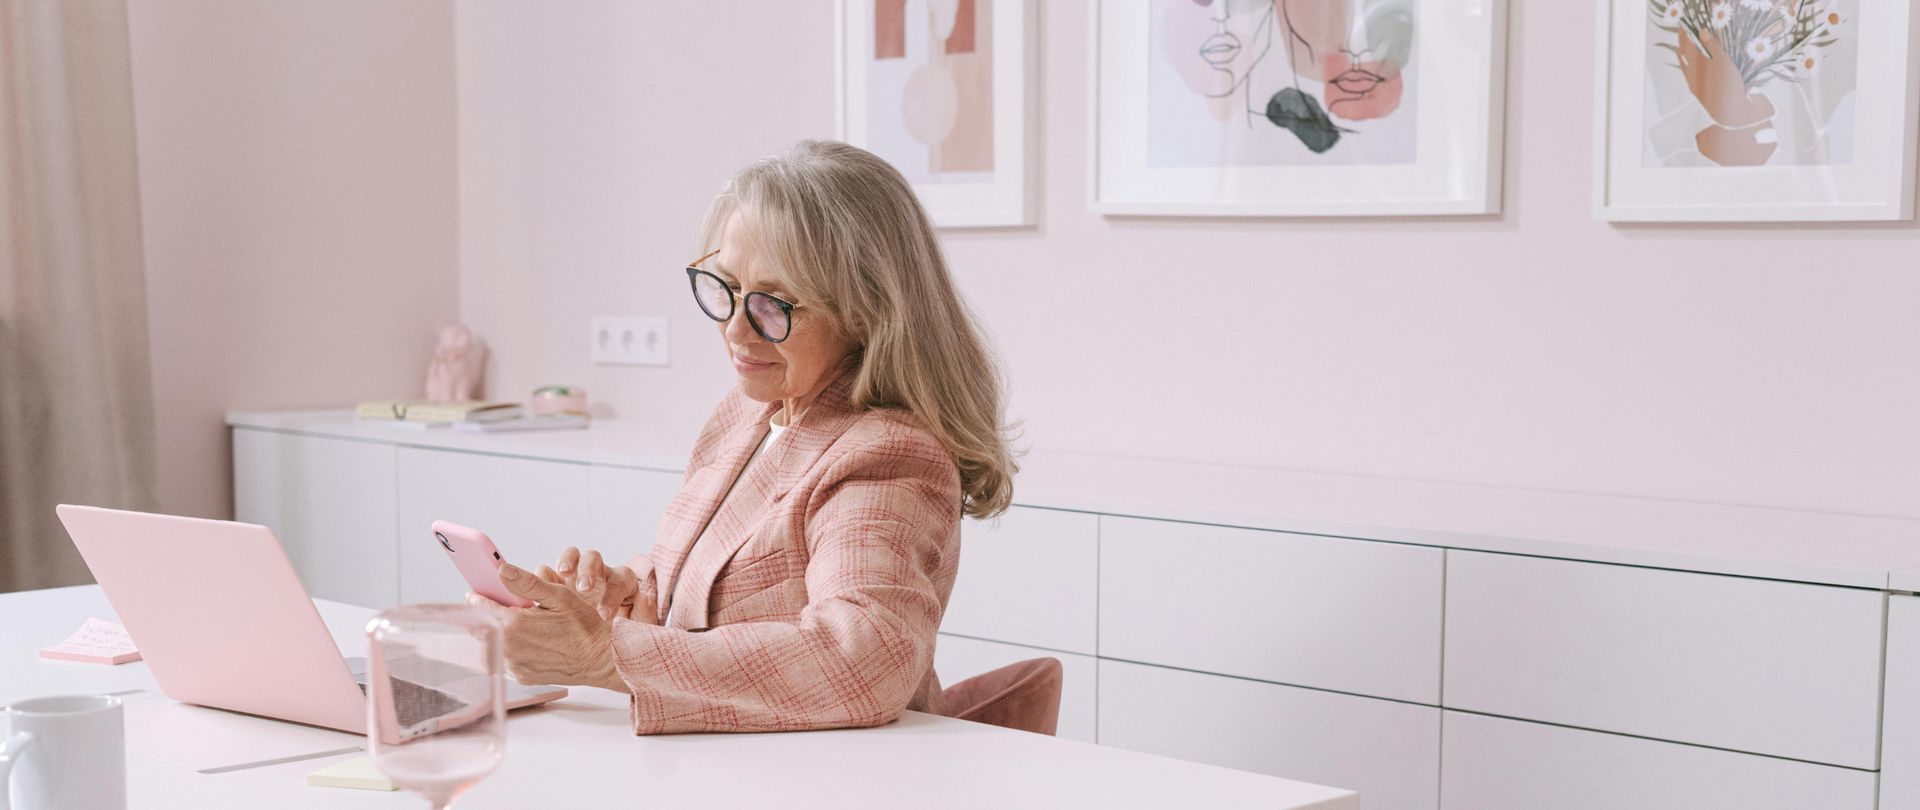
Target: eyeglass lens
(764,312)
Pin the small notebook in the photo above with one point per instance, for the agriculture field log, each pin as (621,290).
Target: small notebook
(357,772)
(97,642)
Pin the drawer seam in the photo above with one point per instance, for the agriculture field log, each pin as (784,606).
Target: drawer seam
(1658,739)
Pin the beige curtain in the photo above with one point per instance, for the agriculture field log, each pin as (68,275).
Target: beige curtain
(76,405)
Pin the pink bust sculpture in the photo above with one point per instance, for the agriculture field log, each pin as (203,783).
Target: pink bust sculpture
(459,363)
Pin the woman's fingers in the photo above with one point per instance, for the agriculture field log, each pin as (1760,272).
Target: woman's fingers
(592,571)
(621,587)
(500,612)
(551,575)
(569,559)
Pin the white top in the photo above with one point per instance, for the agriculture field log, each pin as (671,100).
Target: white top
(1821,547)
(583,749)
(773,432)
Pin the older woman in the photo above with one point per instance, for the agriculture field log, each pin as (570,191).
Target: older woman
(799,576)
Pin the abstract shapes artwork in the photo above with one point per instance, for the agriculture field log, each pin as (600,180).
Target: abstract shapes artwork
(941,89)
(1297,107)
(1755,109)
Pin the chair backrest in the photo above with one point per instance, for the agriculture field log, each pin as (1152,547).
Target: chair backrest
(1024,696)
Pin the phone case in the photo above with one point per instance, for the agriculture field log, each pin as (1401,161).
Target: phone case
(479,562)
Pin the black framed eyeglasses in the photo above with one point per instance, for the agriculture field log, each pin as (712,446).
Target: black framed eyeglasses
(769,316)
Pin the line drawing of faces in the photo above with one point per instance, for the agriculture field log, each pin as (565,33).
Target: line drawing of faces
(1214,45)
(1315,69)
(1359,84)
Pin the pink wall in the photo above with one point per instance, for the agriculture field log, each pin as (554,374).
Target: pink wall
(298,198)
(1762,364)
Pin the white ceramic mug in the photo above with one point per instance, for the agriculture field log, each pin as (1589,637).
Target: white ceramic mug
(68,751)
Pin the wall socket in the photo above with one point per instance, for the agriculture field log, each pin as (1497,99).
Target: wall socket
(629,341)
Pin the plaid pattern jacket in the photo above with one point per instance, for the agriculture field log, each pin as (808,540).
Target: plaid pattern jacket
(813,599)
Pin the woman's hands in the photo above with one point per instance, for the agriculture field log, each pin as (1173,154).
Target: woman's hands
(561,640)
(610,588)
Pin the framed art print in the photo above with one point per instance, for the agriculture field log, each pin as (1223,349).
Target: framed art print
(1297,107)
(1716,110)
(943,90)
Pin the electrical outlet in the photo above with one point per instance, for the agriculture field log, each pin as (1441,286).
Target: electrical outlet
(629,341)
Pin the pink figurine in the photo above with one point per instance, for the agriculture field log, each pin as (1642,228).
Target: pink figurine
(459,363)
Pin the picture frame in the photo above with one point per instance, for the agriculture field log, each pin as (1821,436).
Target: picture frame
(946,91)
(1819,125)
(1406,120)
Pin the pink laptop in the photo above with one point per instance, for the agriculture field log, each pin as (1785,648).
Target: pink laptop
(223,621)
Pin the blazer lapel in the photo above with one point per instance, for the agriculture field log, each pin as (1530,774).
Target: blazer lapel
(766,482)
(705,491)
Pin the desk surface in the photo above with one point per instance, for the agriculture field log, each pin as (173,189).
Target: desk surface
(579,752)
(1859,551)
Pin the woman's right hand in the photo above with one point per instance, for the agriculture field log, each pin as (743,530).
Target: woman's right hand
(611,588)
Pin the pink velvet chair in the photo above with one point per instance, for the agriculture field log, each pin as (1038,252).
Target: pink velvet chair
(1024,696)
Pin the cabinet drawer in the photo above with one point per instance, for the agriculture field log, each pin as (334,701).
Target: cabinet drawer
(1346,615)
(330,503)
(1386,750)
(957,659)
(1900,743)
(532,509)
(1028,578)
(1786,669)
(1498,764)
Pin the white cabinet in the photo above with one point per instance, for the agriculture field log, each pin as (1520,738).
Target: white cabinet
(624,509)
(1386,750)
(1778,668)
(1028,578)
(1345,615)
(1900,741)
(957,659)
(1549,683)
(331,504)
(1498,764)
(531,508)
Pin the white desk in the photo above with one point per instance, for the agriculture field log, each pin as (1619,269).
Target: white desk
(579,752)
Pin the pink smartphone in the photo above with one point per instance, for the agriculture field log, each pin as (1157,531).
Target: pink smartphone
(473,553)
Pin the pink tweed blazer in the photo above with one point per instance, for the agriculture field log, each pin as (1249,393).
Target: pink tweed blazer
(813,600)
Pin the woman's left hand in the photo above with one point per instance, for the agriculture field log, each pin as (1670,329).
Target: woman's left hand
(561,640)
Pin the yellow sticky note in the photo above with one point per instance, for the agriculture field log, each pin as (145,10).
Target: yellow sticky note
(353,773)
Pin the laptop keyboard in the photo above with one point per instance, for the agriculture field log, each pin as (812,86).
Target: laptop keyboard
(414,704)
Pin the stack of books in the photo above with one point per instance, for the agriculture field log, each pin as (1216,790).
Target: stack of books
(475,416)
(422,413)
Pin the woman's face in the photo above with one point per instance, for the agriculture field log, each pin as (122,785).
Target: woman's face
(795,369)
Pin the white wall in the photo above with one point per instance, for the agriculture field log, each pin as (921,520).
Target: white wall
(591,137)
(298,201)
(1761,364)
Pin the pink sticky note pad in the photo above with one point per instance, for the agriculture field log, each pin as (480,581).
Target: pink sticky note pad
(97,642)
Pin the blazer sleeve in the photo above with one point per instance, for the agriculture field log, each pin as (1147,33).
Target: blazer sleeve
(878,532)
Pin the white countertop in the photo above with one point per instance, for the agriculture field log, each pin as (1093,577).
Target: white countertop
(612,442)
(1836,549)
(582,749)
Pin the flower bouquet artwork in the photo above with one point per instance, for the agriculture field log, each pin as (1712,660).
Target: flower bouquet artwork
(1755,110)
(1750,82)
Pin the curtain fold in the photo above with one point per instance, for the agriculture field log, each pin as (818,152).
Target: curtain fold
(76,399)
